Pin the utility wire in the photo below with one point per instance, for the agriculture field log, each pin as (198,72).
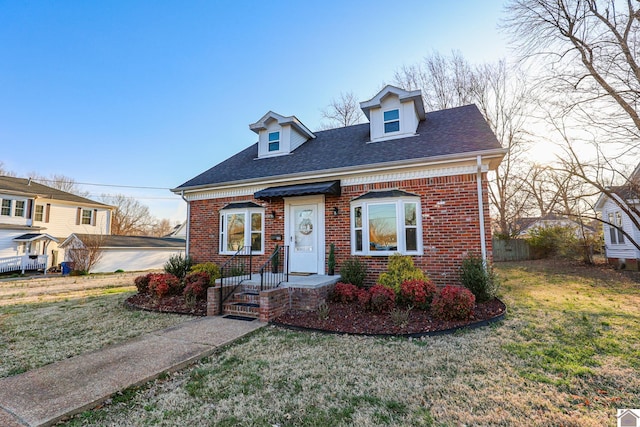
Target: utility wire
(105,185)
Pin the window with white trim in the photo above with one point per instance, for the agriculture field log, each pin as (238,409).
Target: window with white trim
(19,211)
(87,215)
(274,141)
(6,207)
(391,121)
(39,214)
(240,228)
(615,234)
(384,226)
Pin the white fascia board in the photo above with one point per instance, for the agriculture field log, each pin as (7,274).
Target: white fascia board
(489,157)
(282,121)
(403,96)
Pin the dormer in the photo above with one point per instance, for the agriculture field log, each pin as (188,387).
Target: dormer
(279,135)
(393,113)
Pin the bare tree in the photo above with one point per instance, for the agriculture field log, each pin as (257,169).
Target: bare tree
(587,53)
(87,252)
(502,95)
(60,182)
(130,218)
(161,228)
(4,171)
(342,111)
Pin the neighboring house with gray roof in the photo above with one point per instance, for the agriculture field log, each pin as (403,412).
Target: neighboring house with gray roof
(34,218)
(409,182)
(127,253)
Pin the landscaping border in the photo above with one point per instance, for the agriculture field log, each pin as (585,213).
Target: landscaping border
(471,325)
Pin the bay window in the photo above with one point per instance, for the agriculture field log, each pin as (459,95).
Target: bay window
(240,228)
(386,225)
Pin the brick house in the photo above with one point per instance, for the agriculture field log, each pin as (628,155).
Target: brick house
(407,182)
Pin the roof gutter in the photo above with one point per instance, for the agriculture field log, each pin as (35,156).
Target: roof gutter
(188,222)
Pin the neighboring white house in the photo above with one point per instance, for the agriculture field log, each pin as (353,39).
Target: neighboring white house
(127,253)
(34,218)
(618,249)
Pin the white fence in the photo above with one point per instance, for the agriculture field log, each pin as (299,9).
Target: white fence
(23,263)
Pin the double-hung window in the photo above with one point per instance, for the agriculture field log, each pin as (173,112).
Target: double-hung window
(274,141)
(39,215)
(391,121)
(615,228)
(87,216)
(240,228)
(19,208)
(6,207)
(386,225)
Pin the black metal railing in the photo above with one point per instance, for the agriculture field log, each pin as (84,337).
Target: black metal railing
(276,269)
(233,272)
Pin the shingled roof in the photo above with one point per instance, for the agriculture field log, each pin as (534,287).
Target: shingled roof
(29,188)
(443,133)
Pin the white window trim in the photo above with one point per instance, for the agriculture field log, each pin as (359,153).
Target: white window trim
(24,208)
(82,217)
(2,207)
(615,218)
(222,235)
(279,141)
(35,213)
(400,227)
(384,122)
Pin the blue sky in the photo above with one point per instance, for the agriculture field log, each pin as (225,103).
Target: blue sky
(152,93)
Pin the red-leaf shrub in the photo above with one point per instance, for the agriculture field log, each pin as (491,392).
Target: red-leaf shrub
(364,297)
(344,292)
(166,284)
(196,285)
(453,303)
(381,299)
(418,293)
(142,283)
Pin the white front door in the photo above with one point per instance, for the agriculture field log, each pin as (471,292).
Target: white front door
(304,238)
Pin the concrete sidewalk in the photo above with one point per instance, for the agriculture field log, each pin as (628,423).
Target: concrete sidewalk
(43,396)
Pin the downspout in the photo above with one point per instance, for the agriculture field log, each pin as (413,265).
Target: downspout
(188,222)
(483,243)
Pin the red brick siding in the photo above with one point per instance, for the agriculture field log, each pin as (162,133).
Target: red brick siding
(450,225)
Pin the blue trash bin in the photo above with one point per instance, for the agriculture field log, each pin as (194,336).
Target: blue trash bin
(66,268)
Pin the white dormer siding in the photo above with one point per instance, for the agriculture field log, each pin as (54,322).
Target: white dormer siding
(393,113)
(279,135)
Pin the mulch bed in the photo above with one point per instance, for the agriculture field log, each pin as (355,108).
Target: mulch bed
(172,304)
(351,319)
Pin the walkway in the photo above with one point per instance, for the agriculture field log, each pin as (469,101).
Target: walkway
(46,395)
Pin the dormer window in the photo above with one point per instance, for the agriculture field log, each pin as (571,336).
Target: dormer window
(274,141)
(392,121)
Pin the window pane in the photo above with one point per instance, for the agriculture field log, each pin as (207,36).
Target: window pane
(6,207)
(235,232)
(274,146)
(86,216)
(411,239)
(358,240)
(256,222)
(357,213)
(391,115)
(391,127)
(383,235)
(619,224)
(256,241)
(410,214)
(274,136)
(39,212)
(19,208)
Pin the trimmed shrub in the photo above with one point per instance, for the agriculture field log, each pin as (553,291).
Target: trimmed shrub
(210,268)
(344,292)
(196,285)
(178,266)
(162,285)
(453,303)
(417,293)
(142,283)
(353,271)
(364,297)
(481,281)
(400,269)
(382,299)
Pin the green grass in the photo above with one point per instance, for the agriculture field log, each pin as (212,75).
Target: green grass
(566,354)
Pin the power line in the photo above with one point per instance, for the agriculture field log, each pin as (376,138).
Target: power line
(103,185)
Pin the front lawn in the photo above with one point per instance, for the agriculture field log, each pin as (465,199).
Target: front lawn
(566,354)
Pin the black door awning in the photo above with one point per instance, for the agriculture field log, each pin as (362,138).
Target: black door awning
(328,187)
